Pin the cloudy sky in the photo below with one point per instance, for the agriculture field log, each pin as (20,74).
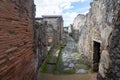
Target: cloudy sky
(67,8)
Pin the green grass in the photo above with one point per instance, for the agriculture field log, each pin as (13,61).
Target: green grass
(58,69)
(59,60)
(64,72)
(44,65)
(88,67)
(69,71)
(48,58)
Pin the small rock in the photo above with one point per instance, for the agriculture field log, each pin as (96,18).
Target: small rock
(65,64)
(67,69)
(64,60)
(81,71)
(68,60)
(71,65)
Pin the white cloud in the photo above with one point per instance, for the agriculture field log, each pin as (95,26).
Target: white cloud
(85,12)
(56,7)
(69,17)
(66,5)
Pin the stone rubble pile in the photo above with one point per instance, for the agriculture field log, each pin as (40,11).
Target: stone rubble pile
(70,56)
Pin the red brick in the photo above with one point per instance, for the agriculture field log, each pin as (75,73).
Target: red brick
(16,40)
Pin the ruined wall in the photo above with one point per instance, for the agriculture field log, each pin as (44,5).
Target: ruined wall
(79,21)
(102,26)
(57,23)
(40,37)
(60,28)
(50,35)
(53,23)
(113,71)
(78,25)
(16,40)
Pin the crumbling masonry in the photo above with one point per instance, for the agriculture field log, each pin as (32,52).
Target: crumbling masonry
(99,40)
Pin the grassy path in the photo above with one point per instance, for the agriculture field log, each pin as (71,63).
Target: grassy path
(51,69)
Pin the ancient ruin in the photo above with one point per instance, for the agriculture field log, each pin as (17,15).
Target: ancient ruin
(40,38)
(99,38)
(46,34)
(29,45)
(16,40)
(53,30)
(57,23)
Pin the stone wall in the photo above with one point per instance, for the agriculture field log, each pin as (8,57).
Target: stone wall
(102,27)
(51,35)
(40,37)
(16,40)
(57,23)
(113,71)
(79,21)
(78,25)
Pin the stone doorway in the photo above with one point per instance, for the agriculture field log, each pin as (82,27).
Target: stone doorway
(96,55)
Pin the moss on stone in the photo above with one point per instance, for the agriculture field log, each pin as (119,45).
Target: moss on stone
(49,57)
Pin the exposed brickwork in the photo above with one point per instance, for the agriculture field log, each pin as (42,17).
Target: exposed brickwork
(16,40)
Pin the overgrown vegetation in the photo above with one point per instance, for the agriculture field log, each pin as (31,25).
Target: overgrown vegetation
(59,62)
(58,69)
(56,47)
(44,65)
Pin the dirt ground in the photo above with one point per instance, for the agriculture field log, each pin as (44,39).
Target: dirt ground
(47,76)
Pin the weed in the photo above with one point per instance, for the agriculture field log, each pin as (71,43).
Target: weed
(49,57)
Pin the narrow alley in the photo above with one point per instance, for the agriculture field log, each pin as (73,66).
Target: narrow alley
(69,65)
(59,39)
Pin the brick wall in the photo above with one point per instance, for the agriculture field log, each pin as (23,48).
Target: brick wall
(16,40)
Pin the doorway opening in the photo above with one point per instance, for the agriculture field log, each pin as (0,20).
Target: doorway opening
(96,55)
